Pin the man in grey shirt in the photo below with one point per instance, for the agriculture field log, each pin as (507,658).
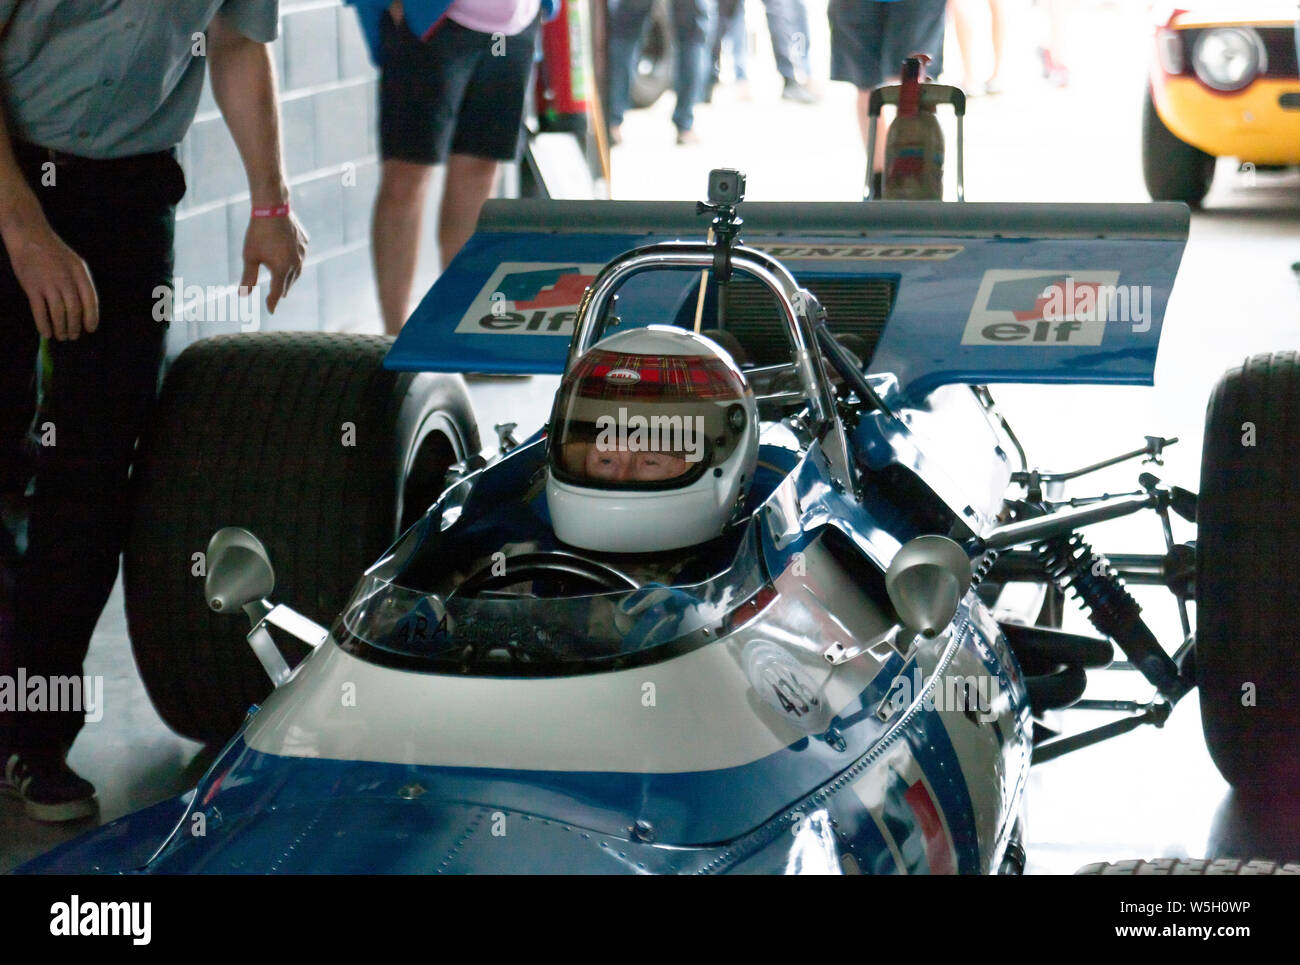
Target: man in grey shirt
(94,96)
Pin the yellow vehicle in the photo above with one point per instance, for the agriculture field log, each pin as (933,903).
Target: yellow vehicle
(1224,83)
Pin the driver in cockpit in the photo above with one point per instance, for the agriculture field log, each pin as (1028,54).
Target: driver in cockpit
(653,443)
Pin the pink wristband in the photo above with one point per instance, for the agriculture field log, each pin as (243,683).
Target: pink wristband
(275,211)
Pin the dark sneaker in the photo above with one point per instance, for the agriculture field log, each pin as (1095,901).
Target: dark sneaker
(797,92)
(49,789)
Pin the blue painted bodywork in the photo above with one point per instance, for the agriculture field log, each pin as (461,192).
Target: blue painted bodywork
(260,813)
(922,346)
(257,812)
(302,816)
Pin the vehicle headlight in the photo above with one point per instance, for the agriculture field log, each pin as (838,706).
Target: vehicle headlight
(1228,58)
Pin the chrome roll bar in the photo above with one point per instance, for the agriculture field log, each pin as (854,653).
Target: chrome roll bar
(796,304)
(793,301)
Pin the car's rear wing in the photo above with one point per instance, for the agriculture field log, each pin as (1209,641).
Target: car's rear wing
(972,292)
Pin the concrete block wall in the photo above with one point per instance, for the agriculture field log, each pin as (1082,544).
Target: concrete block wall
(329,128)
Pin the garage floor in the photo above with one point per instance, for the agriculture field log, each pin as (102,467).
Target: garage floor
(1150,793)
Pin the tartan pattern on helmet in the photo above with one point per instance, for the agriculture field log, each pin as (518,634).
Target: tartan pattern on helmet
(659,378)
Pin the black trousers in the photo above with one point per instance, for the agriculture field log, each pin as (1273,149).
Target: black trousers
(120,217)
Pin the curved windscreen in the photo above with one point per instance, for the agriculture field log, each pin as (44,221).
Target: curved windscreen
(514,630)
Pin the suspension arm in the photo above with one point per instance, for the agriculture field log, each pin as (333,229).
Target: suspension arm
(1059,523)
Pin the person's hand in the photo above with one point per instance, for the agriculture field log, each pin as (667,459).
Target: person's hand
(396,12)
(56,281)
(280,243)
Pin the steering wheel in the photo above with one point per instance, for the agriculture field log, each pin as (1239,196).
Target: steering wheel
(552,563)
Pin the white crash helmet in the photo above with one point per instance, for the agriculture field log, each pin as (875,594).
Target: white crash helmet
(653,443)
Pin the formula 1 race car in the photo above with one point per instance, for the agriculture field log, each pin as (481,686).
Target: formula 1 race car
(788,639)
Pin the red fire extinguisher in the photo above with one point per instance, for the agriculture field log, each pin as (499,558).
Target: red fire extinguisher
(562,76)
(914,147)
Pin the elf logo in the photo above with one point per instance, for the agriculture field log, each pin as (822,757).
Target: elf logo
(545,288)
(529,298)
(1041,308)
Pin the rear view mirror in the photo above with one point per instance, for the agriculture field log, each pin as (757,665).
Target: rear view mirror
(240,576)
(926,581)
(239,570)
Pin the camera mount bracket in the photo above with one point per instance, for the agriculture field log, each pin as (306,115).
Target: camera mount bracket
(726,226)
(726,191)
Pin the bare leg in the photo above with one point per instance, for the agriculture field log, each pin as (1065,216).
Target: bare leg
(961,27)
(1057,71)
(469,184)
(882,126)
(395,236)
(997,10)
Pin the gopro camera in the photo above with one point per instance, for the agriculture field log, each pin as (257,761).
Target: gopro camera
(726,186)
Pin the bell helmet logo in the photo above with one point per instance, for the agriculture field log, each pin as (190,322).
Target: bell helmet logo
(623,376)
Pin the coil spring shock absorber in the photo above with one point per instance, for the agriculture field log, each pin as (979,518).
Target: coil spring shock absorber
(1071,563)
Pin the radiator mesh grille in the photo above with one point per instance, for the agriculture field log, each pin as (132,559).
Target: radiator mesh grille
(853,306)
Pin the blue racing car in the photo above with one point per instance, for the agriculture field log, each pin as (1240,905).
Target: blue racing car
(774,589)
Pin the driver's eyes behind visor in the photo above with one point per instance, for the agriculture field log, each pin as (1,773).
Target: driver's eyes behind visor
(623,465)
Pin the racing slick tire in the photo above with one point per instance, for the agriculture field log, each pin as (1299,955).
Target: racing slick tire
(1190,866)
(1248,528)
(1172,169)
(654,66)
(308,442)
